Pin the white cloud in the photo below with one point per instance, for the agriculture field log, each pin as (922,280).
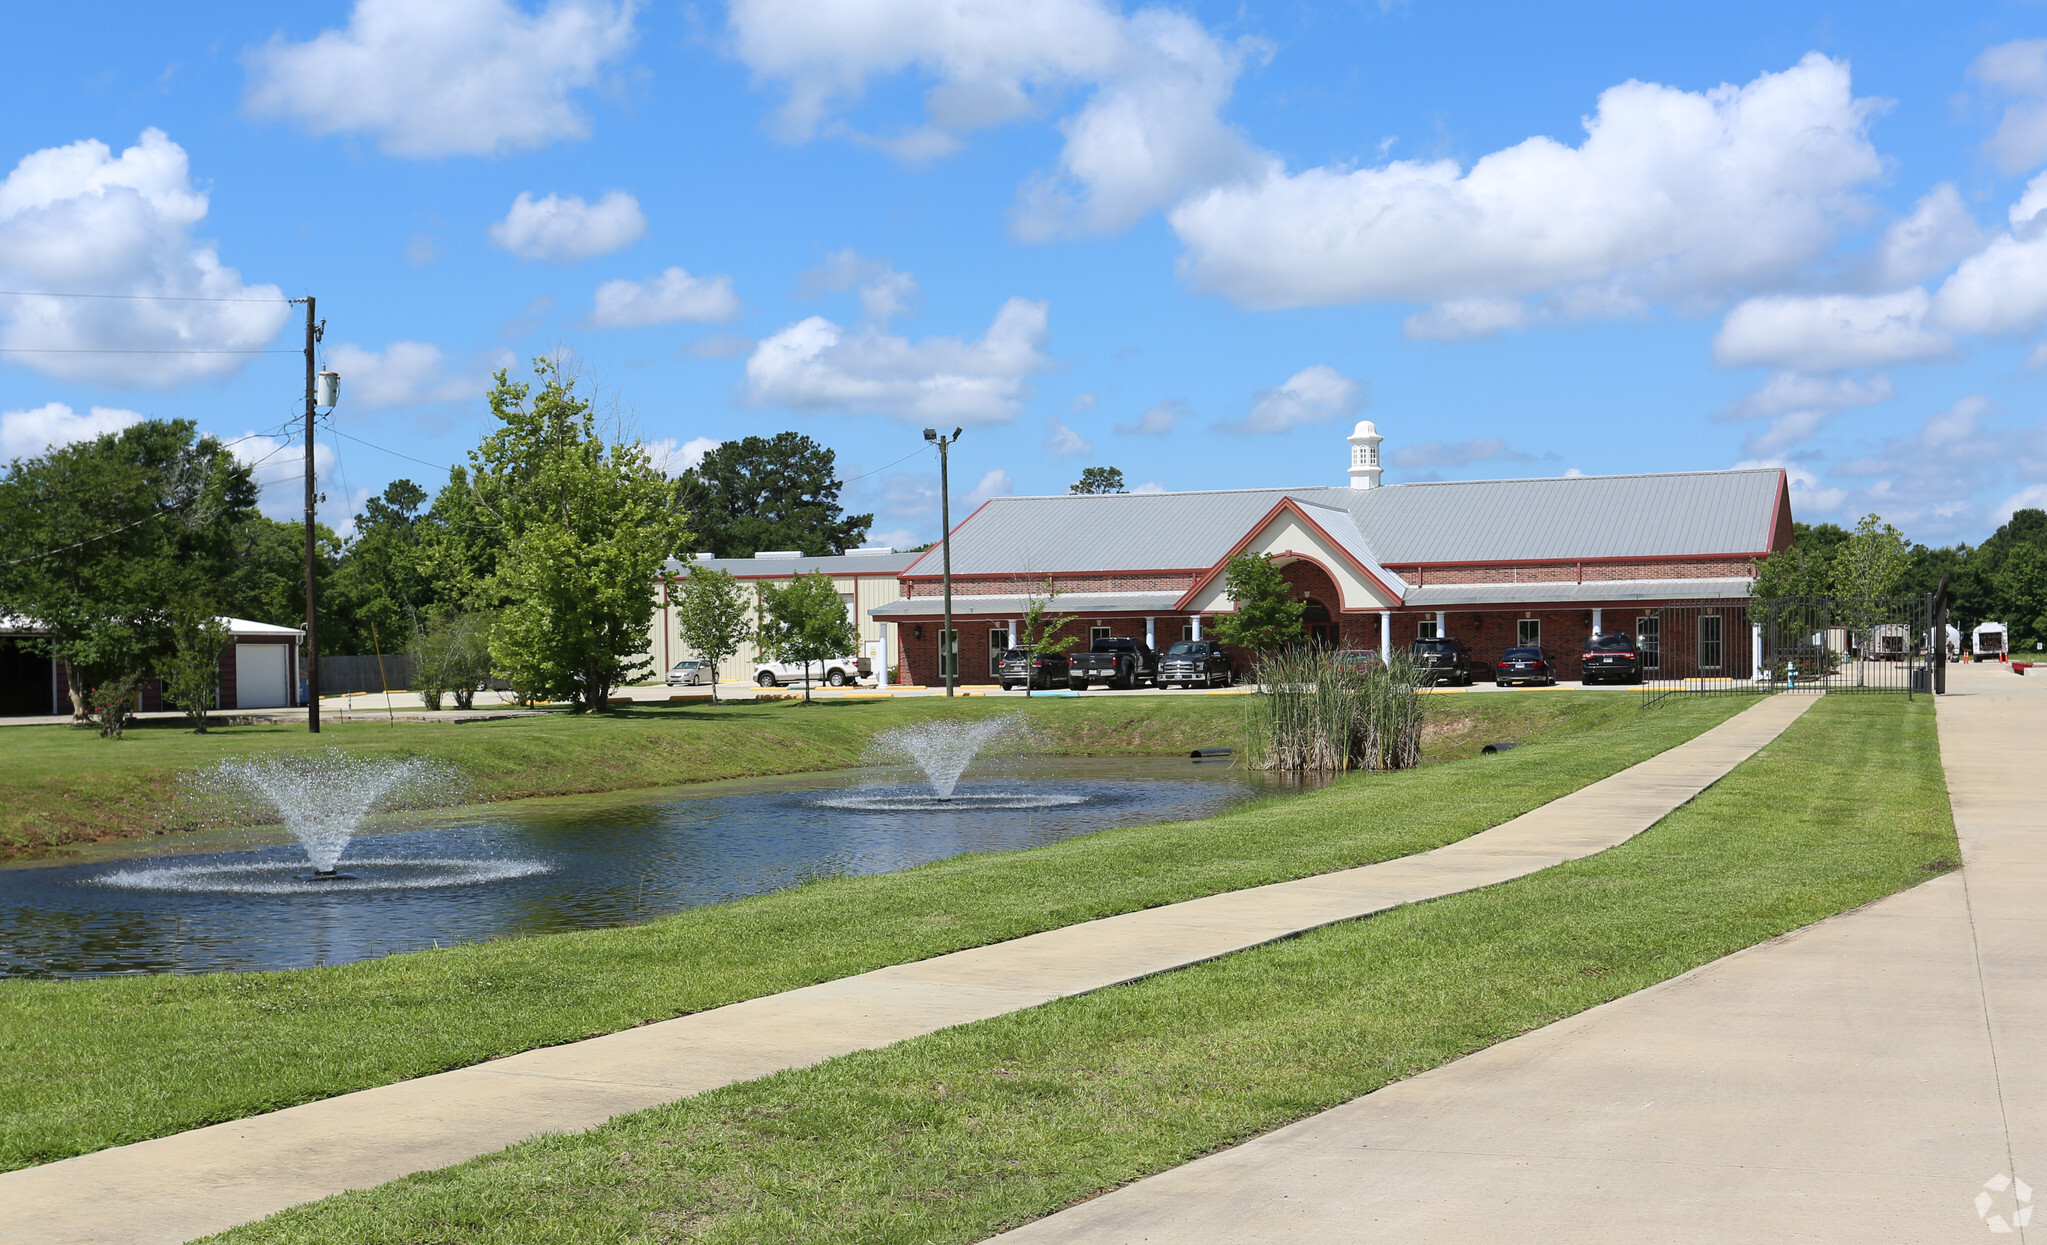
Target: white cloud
(671,457)
(568,229)
(816,365)
(405,374)
(1793,391)
(1149,131)
(452,77)
(1085,403)
(2018,70)
(1149,486)
(1462,319)
(1156,420)
(671,296)
(1928,242)
(2031,497)
(1783,432)
(1808,495)
(24,434)
(1310,396)
(884,292)
(996,483)
(1064,441)
(2003,287)
(280,471)
(81,219)
(1672,193)
(1829,332)
(910,494)
(1458,453)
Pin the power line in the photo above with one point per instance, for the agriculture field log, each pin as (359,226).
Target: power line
(125,350)
(878,470)
(161,298)
(394,453)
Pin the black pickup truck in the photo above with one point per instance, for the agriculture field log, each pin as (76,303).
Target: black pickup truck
(1119,663)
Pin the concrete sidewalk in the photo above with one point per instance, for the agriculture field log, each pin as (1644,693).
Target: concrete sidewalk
(1859,1080)
(203,1181)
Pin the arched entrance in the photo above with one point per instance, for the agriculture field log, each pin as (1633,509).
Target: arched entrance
(1319,626)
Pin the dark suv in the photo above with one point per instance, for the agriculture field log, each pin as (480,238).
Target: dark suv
(1019,667)
(1441,661)
(1188,662)
(1612,658)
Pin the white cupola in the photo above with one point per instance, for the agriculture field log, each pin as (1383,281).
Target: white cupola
(1364,455)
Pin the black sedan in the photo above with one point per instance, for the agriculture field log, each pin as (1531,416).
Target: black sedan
(1612,658)
(1526,666)
(1019,666)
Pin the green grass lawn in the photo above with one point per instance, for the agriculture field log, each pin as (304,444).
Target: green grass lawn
(93,1063)
(960,1134)
(60,785)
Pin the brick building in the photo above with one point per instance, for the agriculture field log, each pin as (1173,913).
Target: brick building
(259,669)
(1494,563)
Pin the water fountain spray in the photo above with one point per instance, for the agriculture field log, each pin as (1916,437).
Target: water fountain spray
(323,797)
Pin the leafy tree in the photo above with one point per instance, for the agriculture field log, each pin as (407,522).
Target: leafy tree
(2022,586)
(805,621)
(579,529)
(1098,480)
(711,613)
(378,585)
(1806,569)
(1041,628)
(97,538)
(1268,616)
(452,654)
(1872,562)
(191,674)
(779,492)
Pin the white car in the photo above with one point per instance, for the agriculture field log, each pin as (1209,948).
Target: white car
(836,671)
(688,674)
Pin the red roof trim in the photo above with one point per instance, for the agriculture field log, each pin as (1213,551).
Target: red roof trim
(1285,503)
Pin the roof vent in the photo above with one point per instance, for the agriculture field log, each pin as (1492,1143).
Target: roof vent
(779,553)
(703,557)
(865,551)
(1364,455)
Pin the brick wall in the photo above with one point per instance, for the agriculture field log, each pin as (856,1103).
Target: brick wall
(1576,572)
(1012,585)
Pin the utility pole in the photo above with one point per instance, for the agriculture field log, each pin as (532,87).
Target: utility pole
(313,329)
(946,637)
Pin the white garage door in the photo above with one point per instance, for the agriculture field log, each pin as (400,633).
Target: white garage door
(260,681)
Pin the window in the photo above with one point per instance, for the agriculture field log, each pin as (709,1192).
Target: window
(998,640)
(1187,631)
(846,599)
(1709,642)
(1100,631)
(1647,634)
(1528,632)
(1425,629)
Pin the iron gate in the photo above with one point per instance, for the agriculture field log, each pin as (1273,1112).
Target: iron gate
(1787,644)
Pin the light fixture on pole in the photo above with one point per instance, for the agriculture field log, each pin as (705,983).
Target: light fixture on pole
(948,641)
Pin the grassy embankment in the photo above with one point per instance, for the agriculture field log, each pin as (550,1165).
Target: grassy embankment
(60,785)
(958,1135)
(87,1064)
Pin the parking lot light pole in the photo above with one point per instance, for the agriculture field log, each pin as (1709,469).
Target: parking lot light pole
(946,636)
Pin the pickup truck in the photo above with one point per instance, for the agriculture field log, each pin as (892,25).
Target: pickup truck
(836,671)
(1188,662)
(1119,663)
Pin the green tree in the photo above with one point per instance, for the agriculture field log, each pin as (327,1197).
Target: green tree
(1872,562)
(191,673)
(1806,569)
(1268,616)
(579,528)
(377,584)
(711,613)
(805,621)
(779,492)
(1098,480)
(451,653)
(1041,628)
(98,537)
(2022,587)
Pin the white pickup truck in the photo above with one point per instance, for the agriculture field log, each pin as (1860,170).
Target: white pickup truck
(835,671)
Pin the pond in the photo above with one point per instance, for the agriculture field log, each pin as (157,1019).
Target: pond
(548,866)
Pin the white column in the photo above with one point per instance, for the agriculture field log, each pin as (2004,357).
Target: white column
(1385,634)
(881,680)
(1755,648)
(1196,620)
(1151,638)
(1597,627)
(1442,628)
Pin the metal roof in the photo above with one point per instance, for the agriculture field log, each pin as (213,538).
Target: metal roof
(1676,514)
(14,624)
(1013,605)
(890,564)
(1441,596)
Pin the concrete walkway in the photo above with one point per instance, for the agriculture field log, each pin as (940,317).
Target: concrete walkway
(212,1178)
(1859,1080)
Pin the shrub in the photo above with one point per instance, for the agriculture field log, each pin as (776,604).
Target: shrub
(1320,710)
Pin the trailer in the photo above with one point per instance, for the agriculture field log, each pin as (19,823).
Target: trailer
(1990,641)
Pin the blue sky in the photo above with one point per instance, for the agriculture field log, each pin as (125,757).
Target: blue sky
(1193,242)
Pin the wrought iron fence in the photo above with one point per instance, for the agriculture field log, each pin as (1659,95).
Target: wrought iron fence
(1788,644)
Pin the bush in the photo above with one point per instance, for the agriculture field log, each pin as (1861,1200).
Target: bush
(1319,710)
(113,703)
